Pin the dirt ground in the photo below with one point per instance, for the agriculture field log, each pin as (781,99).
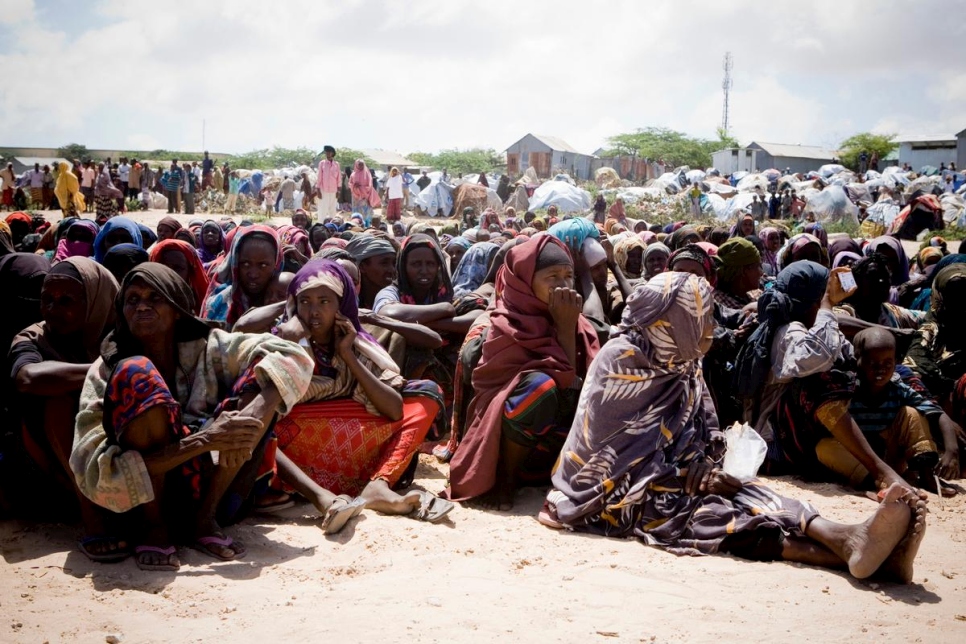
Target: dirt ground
(480,576)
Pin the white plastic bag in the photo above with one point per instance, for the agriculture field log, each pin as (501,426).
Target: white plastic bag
(745,453)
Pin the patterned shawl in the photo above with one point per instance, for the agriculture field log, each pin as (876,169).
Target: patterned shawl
(442,288)
(225,303)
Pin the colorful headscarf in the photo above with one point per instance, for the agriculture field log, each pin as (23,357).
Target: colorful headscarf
(109,226)
(623,249)
(473,267)
(574,232)
(199,280)
(682,236)
(698,254)
(901,275)
(733,256)
(796,245)
(67,248)
(441,290)
(224,302)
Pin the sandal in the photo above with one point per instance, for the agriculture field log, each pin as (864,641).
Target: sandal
(548,517)
(277,504)
(112,555)
(432,509)
(167,552)
(342,510)
(204,545)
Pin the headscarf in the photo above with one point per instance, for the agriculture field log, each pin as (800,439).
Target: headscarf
(698,254)
(845,258)
(769,258)
(22,276)
(206,255)
(362,247)
(736,230)
(441,290)
(682,237)
(148,237)
(120,259)
(6,240)
(473,267)
(733,256)
(796,245)
(199,280)
(928,256)
(462,242)
(647,237)
(67,248)
(324,272)
(522,338)
(720,235)
(100,289)
(488,218)
(818,231)
(652,249)
(312,229)
(796,291)
(950,277)
(170,222)
(923,301)
(67,189)
(901,275)
(225,302)
(574,232)
(121,344)
(842,244)
(187,237)
(623,249)
(360,181)
(110,225)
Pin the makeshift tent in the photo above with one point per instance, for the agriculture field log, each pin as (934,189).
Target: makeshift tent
(922,213)
(832,205)
(436,199)
(607,178)
(565,197)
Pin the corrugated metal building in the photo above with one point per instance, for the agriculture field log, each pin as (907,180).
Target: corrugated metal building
(764,156)
(548,156)
(926,149)
(22,164)
(961,150)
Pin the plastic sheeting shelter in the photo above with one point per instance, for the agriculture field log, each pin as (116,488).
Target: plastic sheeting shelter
(832,205)
(436,199)
(565,197)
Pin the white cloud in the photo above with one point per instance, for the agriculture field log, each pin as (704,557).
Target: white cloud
(13,12)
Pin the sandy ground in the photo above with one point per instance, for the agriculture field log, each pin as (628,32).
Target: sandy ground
(481,576)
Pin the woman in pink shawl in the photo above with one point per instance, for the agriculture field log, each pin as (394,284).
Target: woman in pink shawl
(360,183)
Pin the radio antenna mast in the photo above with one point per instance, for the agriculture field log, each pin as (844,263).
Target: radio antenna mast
(726,86)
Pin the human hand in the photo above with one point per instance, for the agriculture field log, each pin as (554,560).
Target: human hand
(565,307)
(723,484)
(886,479)
(948,467)
(608,248)
(232,430)
(293,330)
(834,291)
(345,334)
(697,478)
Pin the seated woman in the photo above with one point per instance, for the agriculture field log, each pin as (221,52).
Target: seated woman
(295,247)
(682,237)
(376,259)
(473,268)
(455,250)
(117,230)
(938,351)
(212,242)
(771,238)
(638,463)
(48,363)
(534,360)
(920,295)
(739,269)
(168,227)
(166,392)
(870,302)
(745,227)
(806,368)
(803,247)
(360,424)
(896,259)
(244,279)
(183,259)
(121,259)
(629,255)
(78,240)
(655,259)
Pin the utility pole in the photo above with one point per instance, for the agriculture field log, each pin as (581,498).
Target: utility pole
(726,86)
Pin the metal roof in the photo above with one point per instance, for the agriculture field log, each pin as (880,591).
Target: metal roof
(795,151)
(29,161)
(557,144)
(927,138)
(387,157)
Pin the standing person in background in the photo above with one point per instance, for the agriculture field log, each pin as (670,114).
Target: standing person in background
(234,186)
(188,187)
(207,166)
(424,181)
(124,175)
(328,184)
(874,161)
(87,178)
(774,206)
(36,182)
(695,194)
(394,193)
(134,179)
(9,181)
(360,183)
(48,190)
(225,175)
(308,192)
(863,162)
(407,186)
(172,187)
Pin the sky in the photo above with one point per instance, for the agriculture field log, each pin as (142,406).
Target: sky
(425,76)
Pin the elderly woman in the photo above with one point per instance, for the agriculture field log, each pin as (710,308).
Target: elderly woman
(534,359)
(803,247)
(807,368)
(166,392)
(638,464)
(629,255)
(360,424)
(48,363)
(655,259)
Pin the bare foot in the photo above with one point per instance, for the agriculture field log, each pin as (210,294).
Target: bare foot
(381,498)
(899,565)
(871,543)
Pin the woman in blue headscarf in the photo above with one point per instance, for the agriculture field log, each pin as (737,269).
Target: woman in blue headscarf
(116,230)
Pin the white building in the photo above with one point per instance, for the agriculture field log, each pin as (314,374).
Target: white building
(928,149)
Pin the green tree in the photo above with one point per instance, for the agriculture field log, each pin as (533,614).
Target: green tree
(672,147)
(855,145)
(458,161)
(73,151)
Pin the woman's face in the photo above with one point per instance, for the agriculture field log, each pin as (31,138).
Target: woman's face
(176,261)
(456,253)
(380,270)
(892,259)
(80,233)
(300,221)
(747,227)
(750,278)
(147,313)
(63,304)
(318,237)
(634,262)
(116,237)
(773,242)
(547,279)
(317,308)
(256,265)
(873,286)
(656,263)
(165,232)
(422,268)
(690,266)
(211,237)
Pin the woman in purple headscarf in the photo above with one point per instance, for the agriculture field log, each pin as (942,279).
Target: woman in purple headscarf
(360,424)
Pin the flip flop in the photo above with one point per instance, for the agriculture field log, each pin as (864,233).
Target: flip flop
(119,554)
(167,552)
(432,509)
(204,545)
(283,503)
(342,510)
(548,517)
